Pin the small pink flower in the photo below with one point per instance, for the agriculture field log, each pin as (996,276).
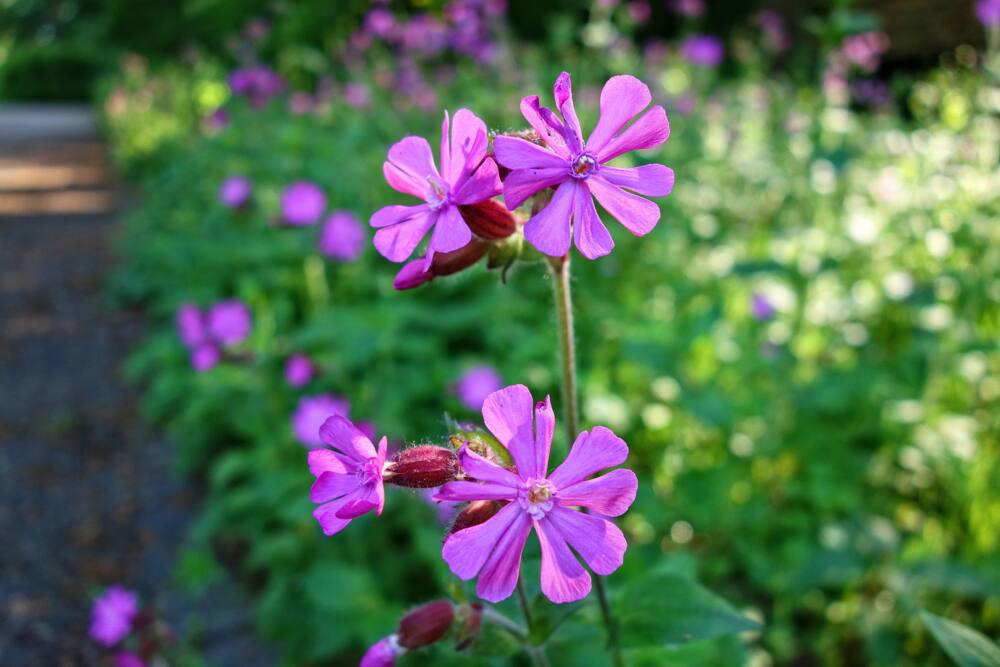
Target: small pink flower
(225,324)
(343,237)
(703,50)
(302,203)
(544,501)
(383,653)
(312,412)
(467,176)
(229,322)
(579,171)
(112,615)
(348,472)
(476,384)
(235,191)
(299,370)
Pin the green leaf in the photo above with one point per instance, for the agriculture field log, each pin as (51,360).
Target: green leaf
(663,608)
(964,645)
(547,617)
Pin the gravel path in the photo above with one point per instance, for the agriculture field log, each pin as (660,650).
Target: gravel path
(87,496)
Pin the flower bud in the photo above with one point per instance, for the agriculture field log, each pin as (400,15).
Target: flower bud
(444,264)
(468,621)
(489,219)
(426,624)
(473,514)
(422,467)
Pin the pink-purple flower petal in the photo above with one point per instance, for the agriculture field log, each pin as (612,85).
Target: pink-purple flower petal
(650,130)
(599,542)
(651,180)
(518,153)
(412,156)
(503,568)
(463,491)
(482,184)
(469,140)
(467,550)
(562,92)
(594,450)
(563,578)
(330,485)
(508,414)
(549,229)
(610,495)
(484,470)
(590,235)
(622,98)
(523,183)
(549,129)
(340,433)
(326,460)
(397,241)
(636,214)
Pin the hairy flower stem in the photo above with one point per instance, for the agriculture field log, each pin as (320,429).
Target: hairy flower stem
(559,267)
(536,653)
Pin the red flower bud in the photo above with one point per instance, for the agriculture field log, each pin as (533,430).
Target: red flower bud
(422,467)
(426,624)
(473,514)
(489,219)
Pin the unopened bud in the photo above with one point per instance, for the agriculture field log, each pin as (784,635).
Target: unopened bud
(473,514)
(468,621)
(422,467)
(426,624)
(489,219)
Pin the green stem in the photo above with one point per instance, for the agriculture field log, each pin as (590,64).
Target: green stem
(567,349)
(536,653)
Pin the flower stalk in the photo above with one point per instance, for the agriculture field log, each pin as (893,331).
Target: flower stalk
(561,279)
(536,653)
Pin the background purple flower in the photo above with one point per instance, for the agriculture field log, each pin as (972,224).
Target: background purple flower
(112,615)
(205,357)
(703,50)
(988,12)
(191,325)
(476,384)
(229,322)
(302,203)
(299,370)
(256,83)
(761,308)
(343,237)
(312,412)
(689,8)
(235,191)
(357,95)
(126,659)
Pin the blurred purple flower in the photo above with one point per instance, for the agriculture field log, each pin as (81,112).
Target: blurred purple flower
(382,653)
(204,357)
(381,23)
(357,95)
(639,11)
(865,49)
(299,369)
(191,325)
(761,308)
(217,120)
(467,176)
(988,12)
(229,322)
(689,8)
(578,169)
(112,615)
(703,50)
(548,502)
(425,34)
(312,412)
(476,384)
(126,659)
(348,471)
(772,24)
(302,203)
(235,191)
(301,102)
(343,237)
(257,83)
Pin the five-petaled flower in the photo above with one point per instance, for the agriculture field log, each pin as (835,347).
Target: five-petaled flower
(348,475)
(578,169)
(467,176)
(547,502)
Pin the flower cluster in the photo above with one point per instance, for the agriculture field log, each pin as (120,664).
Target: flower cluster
(553,157)
(257,83)
(207,334)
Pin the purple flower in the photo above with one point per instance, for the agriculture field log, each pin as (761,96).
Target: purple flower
(467,177)
(578,169)
(703,50)
(229,322)
(537,499)
(235,191)
(689,8)
(357,95)
(343,237)
(382,653)
(302,203)
(126,659)
(299,370)
(773,26)
(312,412)
(476,384)
(217,120)
(865,49)
(191,325)
(639,11)
(112,615)
(256,83)
(205,357)
(761,308)
(381,23)
(988,12)
(348,472)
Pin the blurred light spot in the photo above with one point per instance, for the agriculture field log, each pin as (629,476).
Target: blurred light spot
(898,285)
(656,416)
(681,532)
(666,388)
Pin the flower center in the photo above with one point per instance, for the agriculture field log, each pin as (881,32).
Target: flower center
(438,195)
(536,497)
(583,166)
(370,472)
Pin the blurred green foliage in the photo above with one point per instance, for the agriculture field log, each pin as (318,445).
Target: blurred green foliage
(829,470)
